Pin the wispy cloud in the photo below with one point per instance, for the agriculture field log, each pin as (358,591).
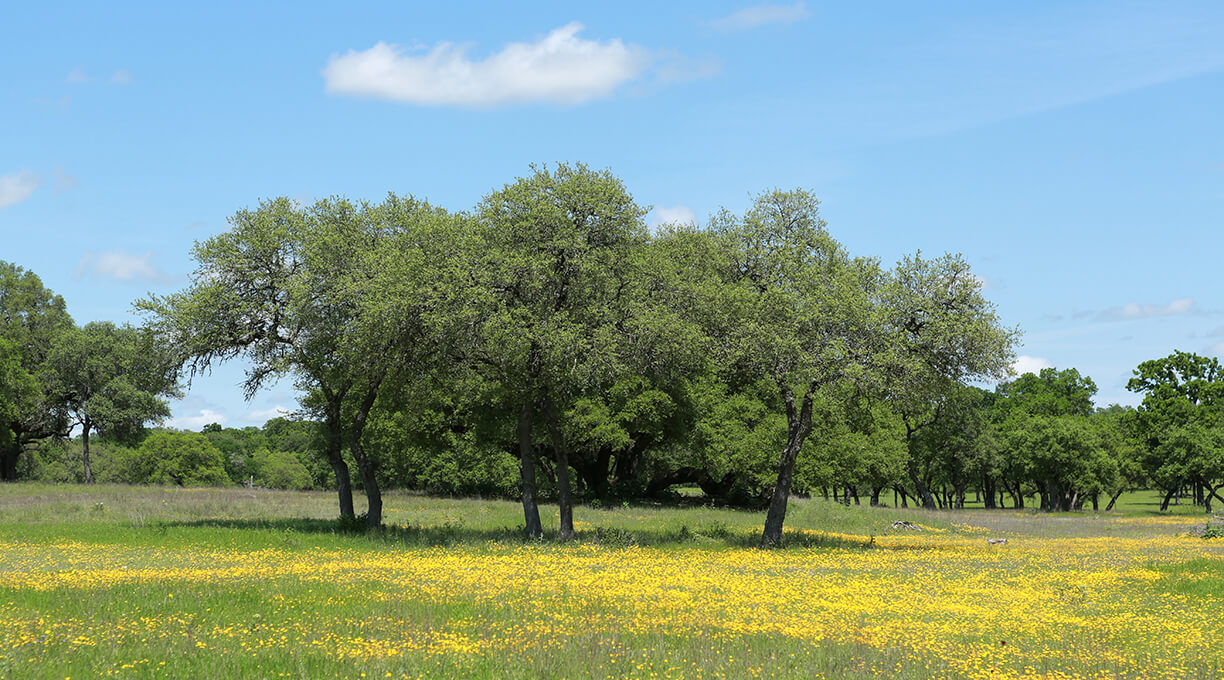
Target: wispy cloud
(561,68)
(78,76)
(119,265)
(264,415)
(1135,310)
(676,214)
(196,422)
(1026,364)
(761,15)
(16,187)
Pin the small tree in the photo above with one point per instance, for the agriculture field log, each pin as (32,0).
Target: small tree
(111,380)
(796,310)
(941,333)
(549,303)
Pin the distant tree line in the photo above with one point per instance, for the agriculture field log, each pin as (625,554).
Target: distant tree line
(546,344)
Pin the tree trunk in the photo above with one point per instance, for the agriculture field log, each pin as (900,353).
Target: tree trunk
(86,426)
(1164,505)
(344,487)
(9,456)
(897,490)
(1114,499)
(1210,492)
(369,479)
(335,456)
(368,468)
(988,492)
(875,496)
(798,426)
(922,492)
(531,512)
(564,501)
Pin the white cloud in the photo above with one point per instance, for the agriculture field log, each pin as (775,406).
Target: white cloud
(77,75)
(16,187)
(1134,310)
(206,416)
(120,77)
(265,415)
(761,15)
(121,266)
(561,67)
(676,214)
(1026,364)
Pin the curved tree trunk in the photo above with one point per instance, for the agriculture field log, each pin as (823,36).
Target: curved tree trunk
(335,457)
(369,479)
(798,426)
(531,511)
(344,486)
(922,492)
(1164,505)
(368,468)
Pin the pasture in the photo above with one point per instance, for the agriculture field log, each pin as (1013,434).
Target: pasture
(141,582)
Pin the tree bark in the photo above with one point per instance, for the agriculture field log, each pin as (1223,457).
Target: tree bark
(564,502)
(531,511)
(335,456)
(86,426)
(1114,499)
(798,426)
(875,495)
(1164,505)
(369,479)
(368,468)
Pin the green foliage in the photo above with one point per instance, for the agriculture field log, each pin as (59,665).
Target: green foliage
(182,458)
(31,319)
(1050,393)
(1181,419)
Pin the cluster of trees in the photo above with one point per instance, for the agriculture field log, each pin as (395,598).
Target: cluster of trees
(547,344)
(551,325)
(280,455)
(57,377)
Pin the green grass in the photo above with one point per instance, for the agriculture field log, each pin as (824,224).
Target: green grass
(242,583)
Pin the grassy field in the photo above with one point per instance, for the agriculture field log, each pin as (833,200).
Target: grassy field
(228,583)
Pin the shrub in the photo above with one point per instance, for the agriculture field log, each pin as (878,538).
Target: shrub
(183,458)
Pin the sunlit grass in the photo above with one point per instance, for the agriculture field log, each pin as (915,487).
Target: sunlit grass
(234,583)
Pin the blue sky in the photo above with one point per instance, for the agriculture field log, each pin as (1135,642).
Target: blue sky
(1072,151)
